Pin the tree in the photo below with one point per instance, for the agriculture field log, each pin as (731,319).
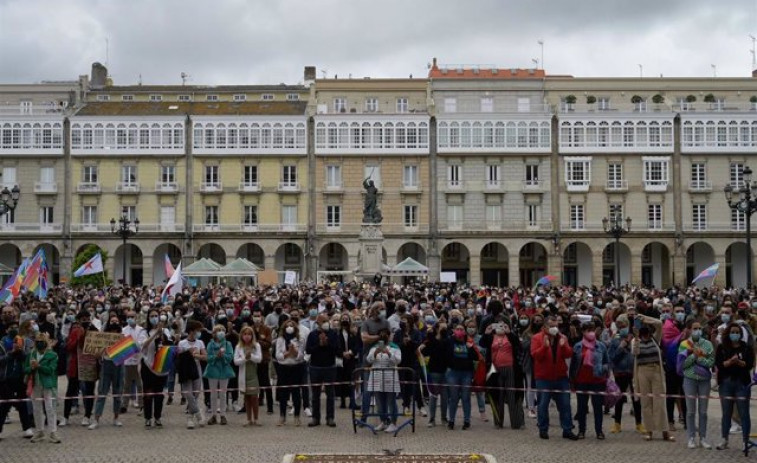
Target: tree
(95,279)
(691,99)
(709,98)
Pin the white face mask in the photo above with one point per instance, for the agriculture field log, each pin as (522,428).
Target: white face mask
(553,331)
(289,330)
(325,326)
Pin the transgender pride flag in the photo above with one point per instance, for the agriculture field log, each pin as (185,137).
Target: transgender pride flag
(709,272)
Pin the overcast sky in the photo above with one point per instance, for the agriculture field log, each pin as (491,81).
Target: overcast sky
(264,42)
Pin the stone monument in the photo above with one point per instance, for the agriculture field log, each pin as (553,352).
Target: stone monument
(371,239)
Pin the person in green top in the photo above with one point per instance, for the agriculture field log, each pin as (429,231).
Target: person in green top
(696,356)
(218,371)
(41,370)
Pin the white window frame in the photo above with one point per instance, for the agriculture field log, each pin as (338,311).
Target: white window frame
(340,105)
(167,175)
(410,216)
(699,217)
(736,174)
(289,175)
(699,176)
(615,210)
(333,177)
(212,176)
(250,216)
(211,97)
(615,176)
(410,176)
(373,172)
(288,217)
(455,216)
(654,216)
(572,180)
(10,177)
(156,98)
(293,97)
(240,97)
(402,105)
(267,97)
(212,217)
(493,176)
(250,176)
(577,217)
(532,215)
(487,104)
(184,98)
(333,217)
(454,176)
(656,173)
(127,97)
(450,105)
(46,216)
(129,175)
(90,175)
(371,105)
(89,217)
(493,216)
(531,175)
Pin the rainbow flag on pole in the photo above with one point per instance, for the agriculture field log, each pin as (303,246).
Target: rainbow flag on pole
(163,359)
(122,350)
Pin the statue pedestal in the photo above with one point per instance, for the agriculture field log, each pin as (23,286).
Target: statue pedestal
(371,249)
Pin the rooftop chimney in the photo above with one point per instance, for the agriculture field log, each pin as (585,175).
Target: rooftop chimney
(309,75)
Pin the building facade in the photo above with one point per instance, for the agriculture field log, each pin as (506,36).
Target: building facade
(499,175)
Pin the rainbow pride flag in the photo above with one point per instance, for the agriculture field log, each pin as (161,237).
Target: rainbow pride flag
(163,359)
(545,280)
(122,350)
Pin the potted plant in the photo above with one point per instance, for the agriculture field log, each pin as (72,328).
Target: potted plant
(691,98)
(709,98)
(591,99)
(753,100)
(658,99)
(637,101)
(570,100)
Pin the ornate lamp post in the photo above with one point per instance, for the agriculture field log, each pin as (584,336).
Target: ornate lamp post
(743,198)
(614,227)
(122,228)
(9,199)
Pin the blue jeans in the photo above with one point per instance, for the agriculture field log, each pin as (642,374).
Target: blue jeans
(438,392)
(386,400)
(459,385)
(562,400)
(597,403)
(741,391)
(110,376)
(697,392)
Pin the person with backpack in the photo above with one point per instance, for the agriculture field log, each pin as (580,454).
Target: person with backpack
(589,369)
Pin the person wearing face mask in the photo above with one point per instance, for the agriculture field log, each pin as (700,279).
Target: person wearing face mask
(350,347)
(462,353)
(322,346)
(383,381)
(13,352)
(290,353)
(41,369)
(589,368)
(218,371)
(734,360)
(479,391)
(84,366)
(396,317)
(264,338)
(674,331)
(649,377)
(550,350)
(506,383)
(621,362)
(696,357)
(527,328)
(434,349)
(111,380)
(311,323)
(373,323)
(190,351)
(153,382)
(132,378)
(247,356)
(408,338)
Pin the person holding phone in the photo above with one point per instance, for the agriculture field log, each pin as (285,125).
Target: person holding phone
(290,354)
(734,360)
(383,381)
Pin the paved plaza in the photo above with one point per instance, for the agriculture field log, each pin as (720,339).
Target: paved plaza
(269,443)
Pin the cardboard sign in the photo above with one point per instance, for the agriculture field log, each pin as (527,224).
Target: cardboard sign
(96,342)
(290,277)
(268,277)
(448,277)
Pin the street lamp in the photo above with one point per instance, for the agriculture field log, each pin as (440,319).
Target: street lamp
(123,229)
(9,199)
(743,198)
(614,227)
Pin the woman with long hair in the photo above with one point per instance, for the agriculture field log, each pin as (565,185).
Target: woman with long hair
(247,356)
(290,352)
(734,360)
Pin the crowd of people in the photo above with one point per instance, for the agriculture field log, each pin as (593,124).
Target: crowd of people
(430,347)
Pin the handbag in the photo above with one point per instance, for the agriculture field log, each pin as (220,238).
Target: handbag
(613,394)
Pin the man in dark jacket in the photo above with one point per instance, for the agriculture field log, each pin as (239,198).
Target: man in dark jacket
(13,352)
(323,347)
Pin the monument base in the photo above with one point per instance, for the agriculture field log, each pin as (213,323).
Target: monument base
(371,249)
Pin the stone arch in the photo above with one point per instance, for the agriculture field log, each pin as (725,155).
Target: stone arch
(212,251)
(456,258)
(494,265)
(252,252)
(699,256)
(532,263)
(577,264)
(128,259)
(173,252)
(655,265)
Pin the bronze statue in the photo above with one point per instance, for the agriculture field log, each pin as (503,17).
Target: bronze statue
(371,212)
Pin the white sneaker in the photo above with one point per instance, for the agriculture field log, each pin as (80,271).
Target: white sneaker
(118,423)
(85,421)
(531,414)
(62,423)
(692,443)
(390,429)
(29,433)
(380,427)
(238,408)
(93,425)
(200,419)
(705,445)
(423,411)
(735,429)
(308,412)
(291,411)
(190,423)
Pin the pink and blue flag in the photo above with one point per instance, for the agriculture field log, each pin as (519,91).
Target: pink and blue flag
(709,272)
(546,280)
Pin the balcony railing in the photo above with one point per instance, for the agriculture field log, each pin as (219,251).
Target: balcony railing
(166,187)
(289,187)
(143,227)
(34,110)
(333,187)
(249,187)
(45,187)
(386,228)
(211,187)
(241,227)
(127,187)
(700,186)
(31,228)
(577,185)
(616,185)
(533,184)
(656,185)
(88,187)
(502,225)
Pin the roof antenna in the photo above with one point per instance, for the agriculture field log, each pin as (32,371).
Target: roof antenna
(184,77)
(139,81)
(107,52)
(324,72)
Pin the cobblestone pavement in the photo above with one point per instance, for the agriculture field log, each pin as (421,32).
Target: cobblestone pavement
(269,443)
